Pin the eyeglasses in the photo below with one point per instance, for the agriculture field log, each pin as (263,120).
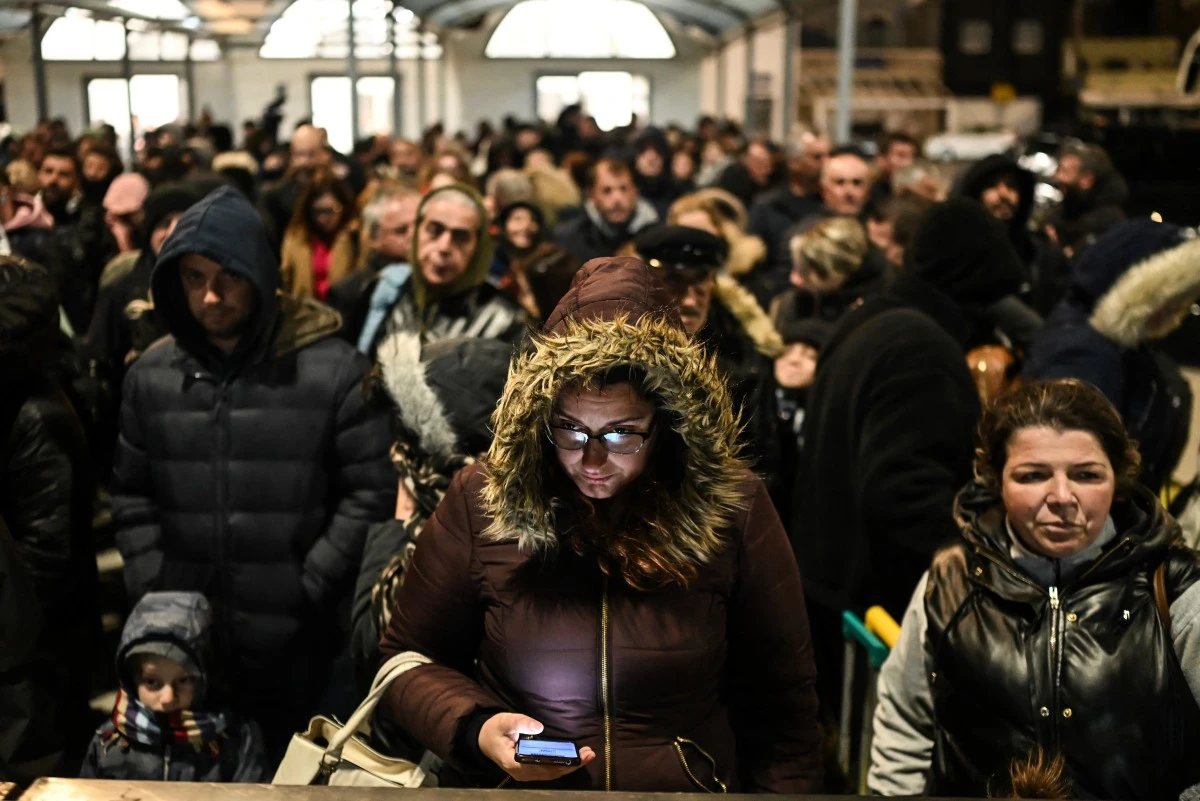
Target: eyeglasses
(619,442)
(326,211)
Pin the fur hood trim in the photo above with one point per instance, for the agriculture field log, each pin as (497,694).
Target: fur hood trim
(1124,314)
(690,519)
(418,408)
(754,321)
(746,251)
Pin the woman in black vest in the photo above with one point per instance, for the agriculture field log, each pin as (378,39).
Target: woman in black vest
(1064,622)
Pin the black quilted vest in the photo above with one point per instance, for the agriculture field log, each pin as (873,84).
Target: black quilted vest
(1092,675)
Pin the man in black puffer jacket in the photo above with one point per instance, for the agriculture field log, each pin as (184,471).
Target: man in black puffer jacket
(248,466)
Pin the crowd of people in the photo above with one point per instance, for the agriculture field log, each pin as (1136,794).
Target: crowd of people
(569,415)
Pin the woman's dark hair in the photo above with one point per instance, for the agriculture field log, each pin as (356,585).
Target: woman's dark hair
(324,182)
(1064,405)
(628,548)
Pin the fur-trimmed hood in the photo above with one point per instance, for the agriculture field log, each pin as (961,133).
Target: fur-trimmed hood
(445,392)
(753,320)
(1152,276)
(617,313)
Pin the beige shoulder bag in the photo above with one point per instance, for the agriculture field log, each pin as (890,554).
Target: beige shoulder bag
(336,755)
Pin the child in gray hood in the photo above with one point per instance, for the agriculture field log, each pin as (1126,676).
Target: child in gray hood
(163,726)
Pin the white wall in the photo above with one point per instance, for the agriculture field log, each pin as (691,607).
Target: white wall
(723,74)
(241,85)
(237,88)
(492,88)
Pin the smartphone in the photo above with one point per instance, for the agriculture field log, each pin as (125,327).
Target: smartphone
(533,749)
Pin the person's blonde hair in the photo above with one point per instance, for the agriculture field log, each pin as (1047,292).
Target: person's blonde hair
(836,246)
(23,176)
(553,191)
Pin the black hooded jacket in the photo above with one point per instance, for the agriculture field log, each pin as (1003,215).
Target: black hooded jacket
(250,477)
(1046,269)
(887,439)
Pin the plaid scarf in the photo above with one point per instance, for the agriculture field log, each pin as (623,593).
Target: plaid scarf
(137,723)
(427,478)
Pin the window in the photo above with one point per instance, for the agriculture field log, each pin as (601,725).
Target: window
(77,36)
(611,97)
(1027,37)
(975,37)
(331,108)
(320,29)
(575,29)
(156,102)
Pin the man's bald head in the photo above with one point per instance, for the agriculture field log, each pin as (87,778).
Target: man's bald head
(309,148)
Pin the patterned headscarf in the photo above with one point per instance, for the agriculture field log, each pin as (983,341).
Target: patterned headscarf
(426,478)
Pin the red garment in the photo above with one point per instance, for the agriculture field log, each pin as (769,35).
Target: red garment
(320,267)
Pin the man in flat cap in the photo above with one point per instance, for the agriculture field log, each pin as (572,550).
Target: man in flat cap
(714,307)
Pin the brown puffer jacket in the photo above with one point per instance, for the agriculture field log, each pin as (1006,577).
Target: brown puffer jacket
(708,688)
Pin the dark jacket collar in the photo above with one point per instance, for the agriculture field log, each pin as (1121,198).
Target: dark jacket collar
(1143,532)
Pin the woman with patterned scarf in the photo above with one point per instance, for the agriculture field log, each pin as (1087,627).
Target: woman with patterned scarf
(164,724)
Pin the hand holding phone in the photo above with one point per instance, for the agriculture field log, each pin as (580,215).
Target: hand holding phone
(501,736)
(535,749)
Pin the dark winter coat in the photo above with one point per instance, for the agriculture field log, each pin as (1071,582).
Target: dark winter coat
(736,180)
(23,700)
(741,337)
(1084,217)
(1099,334)
(443,395)
(887,442)
(250,477)
(1086,669)
(182,619)
(1046,269)
(891,417)
(677,690)
(46,495)
(82,245)
(351,298)
(587,236)
(276,205)
(794,304)
(771,220)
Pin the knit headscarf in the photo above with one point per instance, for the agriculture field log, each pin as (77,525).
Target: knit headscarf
(477,269)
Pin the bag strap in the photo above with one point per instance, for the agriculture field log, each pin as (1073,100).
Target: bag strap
(391,670)
(1160,595)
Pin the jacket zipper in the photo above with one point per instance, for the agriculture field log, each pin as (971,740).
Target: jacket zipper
(679,743)
(167,763)
(604,687)
(1052,594)
(221,477)
(1055,620)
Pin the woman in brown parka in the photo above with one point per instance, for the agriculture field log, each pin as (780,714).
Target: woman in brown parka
(611,573)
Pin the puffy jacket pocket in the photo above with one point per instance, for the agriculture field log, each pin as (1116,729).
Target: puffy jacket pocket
(683,746)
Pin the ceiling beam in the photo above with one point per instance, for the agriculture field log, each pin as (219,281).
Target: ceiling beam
(101,10)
